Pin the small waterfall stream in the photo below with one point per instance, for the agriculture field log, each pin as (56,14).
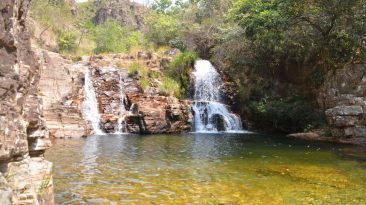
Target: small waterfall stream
(210,114)
(90,105)
(121,128)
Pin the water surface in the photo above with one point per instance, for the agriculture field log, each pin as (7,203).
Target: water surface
(206,169)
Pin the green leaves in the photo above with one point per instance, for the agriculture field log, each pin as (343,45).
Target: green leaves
(66,41)
(293,28)
(111,37)
(179,70)
(162,28)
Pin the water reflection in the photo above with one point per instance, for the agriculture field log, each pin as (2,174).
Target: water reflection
(204,169)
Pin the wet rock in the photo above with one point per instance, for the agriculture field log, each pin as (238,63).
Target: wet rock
(219,122)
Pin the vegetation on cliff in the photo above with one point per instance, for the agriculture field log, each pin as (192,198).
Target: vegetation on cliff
(277,52)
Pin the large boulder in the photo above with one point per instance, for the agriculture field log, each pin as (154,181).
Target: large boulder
(343,97)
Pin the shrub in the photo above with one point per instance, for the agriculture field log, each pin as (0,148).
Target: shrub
(138,69)
(285,115)
(170,87)
(66,41)
(108,37)
(161,28)
(133,69)
(144,82)
(179,69)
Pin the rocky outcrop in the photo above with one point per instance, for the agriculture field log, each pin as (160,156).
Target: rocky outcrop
(344,99)
(125,12)
(61,88)
(23,136)
(121,98)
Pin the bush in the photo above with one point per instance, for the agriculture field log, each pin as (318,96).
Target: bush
(138,69)
(66,41)
(144,82)
(109,37)
(285,115)
(161,28)
(179,69)
(171,87)
(133,69)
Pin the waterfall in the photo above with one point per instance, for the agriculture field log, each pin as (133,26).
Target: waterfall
(121,128)
(210,114)
(90,105)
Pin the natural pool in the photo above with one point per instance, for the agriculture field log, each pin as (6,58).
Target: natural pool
(206,169)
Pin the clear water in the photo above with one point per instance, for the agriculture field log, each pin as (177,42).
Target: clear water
(206,169)
(207,104)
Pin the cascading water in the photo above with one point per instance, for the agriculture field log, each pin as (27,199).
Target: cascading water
(121,128)
(90,105)
(210,115)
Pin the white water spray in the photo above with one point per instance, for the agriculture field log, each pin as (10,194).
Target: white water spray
(210,115)
(90,105)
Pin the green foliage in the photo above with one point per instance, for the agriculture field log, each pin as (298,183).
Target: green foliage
(285,115)
(171,87)
(179,69)
(138,70)
(66,41)
(161,28)
(133,69)
(52,13)
(110,37)
(325,32)
(144,82)
(161,6)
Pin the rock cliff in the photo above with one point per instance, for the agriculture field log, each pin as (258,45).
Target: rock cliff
(145,111)
(344,99)
(122,102)
(24,174)
(125,12)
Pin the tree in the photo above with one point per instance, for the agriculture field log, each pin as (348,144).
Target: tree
(161,6)
(323,32)
(109,37)
(161,28)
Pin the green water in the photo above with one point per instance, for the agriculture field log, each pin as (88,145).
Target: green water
(206,169)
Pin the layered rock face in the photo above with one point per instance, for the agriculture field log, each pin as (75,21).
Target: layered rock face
(122,100)
(23,136)
(125,12)
(344,99)
(61,89)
